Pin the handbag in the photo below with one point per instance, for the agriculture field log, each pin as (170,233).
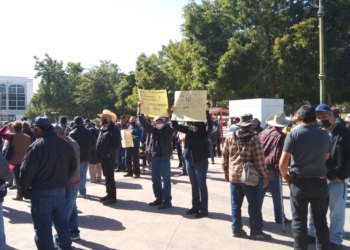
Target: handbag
(8,152)
(250,175)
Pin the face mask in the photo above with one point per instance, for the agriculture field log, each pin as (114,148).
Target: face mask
(159,126)
(132,123)
(324,124)
(104,121)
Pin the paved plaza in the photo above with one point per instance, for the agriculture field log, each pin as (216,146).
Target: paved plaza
(132,224)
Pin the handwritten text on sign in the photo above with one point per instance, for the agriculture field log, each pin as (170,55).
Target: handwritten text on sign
(190,105)
(153,102)
(127,141)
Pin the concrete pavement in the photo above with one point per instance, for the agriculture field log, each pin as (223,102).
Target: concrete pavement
(132,224)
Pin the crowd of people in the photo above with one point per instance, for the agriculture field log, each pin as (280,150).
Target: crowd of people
(48,164)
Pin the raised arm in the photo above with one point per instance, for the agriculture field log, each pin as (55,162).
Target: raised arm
(146,125)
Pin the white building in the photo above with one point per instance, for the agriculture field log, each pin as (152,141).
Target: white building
(16,93)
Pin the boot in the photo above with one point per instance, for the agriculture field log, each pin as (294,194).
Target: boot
(19,196)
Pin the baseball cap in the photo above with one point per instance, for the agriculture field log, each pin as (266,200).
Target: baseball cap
(323,108)
(41,121)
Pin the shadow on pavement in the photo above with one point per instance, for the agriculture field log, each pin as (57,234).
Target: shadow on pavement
(16,216)
(126,185)
(100,223)
(91,245)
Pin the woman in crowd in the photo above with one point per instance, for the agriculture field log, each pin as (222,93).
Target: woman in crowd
(20,142)
(196,153)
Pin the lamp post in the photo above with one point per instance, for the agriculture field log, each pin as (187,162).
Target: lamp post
(322,75)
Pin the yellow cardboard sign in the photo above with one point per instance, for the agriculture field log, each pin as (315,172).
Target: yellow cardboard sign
(153,102)
(190,105)
(127,141)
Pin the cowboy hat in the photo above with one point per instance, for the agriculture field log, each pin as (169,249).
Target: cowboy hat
(110,113)
(246,120)
(278,120)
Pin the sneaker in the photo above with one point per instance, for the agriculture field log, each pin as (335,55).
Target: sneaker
(75,236)
(241,234)
(109,201)
(156,203)
(81,196)
(182,174)
(262,236)
(127,175)
(192,211)
(104,198)
(165,205)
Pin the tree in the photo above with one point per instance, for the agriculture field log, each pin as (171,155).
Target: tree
(123,90)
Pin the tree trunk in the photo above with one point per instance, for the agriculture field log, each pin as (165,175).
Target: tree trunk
(329,98)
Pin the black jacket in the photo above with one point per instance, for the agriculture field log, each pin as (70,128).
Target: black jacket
(49,163)
(166,134)
(338,164)
(108,143)
(196,141)
(86,141)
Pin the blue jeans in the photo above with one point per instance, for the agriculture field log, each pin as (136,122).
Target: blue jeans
(197,172)
(238,191)
(2,230)
(83,170)
(121,158)
(161,169)
(48,206)
(275,186)
(184,165)
(303,191)
(337,206)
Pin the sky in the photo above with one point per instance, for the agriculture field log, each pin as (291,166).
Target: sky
(85,31)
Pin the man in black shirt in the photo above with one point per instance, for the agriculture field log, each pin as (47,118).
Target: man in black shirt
(46,168)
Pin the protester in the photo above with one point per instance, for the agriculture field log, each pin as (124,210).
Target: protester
(307,178)
(28,131)
(73,185)
(133,153)
(338,168)
(47,166)
(120,167)
(108,143)
(251,150)
(88,124)
(347,121)
(161,150)
(196,158)
(257,127)
(86,141)
(95,169)
(20,142)
(97,122)
(64,126)
(181,140)
(216,137)
(272,139)
(337,118)
(4,176)
(234,123)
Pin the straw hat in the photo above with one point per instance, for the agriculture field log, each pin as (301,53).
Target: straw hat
(109,113)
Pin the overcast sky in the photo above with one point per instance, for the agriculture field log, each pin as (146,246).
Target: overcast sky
(84,31)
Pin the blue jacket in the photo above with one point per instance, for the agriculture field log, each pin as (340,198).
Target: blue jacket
(137,132)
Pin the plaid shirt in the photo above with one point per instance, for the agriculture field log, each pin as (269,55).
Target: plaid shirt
(251,151)
(272,141)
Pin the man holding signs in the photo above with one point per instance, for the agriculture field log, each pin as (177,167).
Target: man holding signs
(161,150)
(196,153)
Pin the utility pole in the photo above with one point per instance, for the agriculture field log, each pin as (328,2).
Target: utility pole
(322,75)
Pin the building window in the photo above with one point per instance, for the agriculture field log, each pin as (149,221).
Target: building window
(16,97)
(3,96)
(12,118)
